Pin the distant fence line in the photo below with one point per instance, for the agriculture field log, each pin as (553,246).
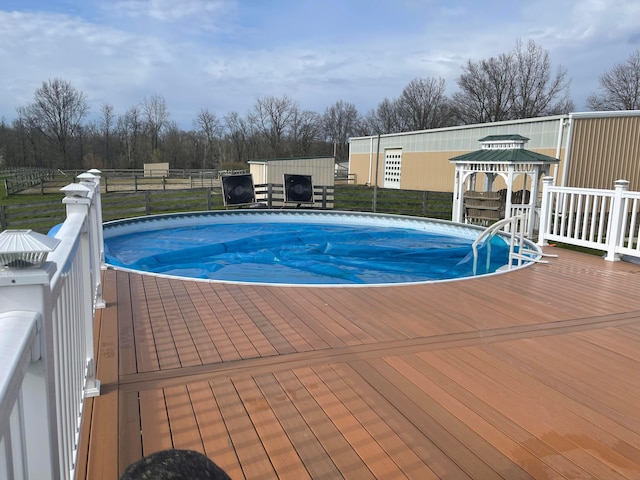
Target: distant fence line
(44,181)
(22,179)
(41,216)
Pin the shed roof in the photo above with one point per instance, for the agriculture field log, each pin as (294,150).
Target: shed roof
(266,160)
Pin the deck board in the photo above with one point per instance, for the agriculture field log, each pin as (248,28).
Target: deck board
(531,374)
(273,436)
(129,441)
(154,421)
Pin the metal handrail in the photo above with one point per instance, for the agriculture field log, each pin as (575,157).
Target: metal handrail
(516,239)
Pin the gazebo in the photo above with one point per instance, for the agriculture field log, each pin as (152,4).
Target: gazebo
(500,156)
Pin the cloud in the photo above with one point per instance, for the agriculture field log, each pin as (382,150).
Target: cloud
(168,10)
(223,54)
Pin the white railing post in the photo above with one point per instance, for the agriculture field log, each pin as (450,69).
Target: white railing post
(97,205)
(78,200)
(545,211)
(92,182)
(615,224)
(22,289)
(458,194)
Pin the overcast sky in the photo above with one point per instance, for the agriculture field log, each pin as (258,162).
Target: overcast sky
(224,54)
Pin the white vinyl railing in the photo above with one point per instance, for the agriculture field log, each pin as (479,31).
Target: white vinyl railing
(46,344)
(607,220)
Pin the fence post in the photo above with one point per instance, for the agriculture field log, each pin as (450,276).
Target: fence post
(3,218)
(147,203)
(616,225)
(545,211)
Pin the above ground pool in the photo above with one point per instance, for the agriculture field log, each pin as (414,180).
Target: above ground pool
(299,247)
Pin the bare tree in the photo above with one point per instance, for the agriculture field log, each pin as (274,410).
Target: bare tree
(619,87)
(538,90)
(423,104)
(156,117)
(238,132)
(57,113)
(340,121)
(174,148)
(386,118)
(107,124)
(209,129)
(129,129)
(306,129)
(31,142)
(272,117)
(518,84)
(5,139)
(485,90)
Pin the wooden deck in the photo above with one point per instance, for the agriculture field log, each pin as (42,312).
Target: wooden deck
(530,374)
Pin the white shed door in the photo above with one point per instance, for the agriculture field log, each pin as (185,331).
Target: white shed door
(392,168)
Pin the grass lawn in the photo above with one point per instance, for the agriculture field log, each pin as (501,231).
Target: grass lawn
(347,198)
(22,199)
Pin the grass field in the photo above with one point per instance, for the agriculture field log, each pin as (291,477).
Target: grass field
(40,212)
(40,207)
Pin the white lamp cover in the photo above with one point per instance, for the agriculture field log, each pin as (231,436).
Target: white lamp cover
(86,176)
(25,248)
(76,190)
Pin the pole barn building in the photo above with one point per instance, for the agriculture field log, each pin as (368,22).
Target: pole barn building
(594,148)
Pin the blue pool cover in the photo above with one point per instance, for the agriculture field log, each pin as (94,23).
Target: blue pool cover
(294,253)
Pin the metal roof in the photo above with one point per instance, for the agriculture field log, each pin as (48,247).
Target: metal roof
(497,138)
(512,155)
(279,159)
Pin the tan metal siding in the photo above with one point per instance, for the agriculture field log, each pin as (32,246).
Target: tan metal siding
(604,150)
(359,167)
(428,171)
(322,170)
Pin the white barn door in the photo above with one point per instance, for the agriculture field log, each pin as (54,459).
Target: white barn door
(392,168)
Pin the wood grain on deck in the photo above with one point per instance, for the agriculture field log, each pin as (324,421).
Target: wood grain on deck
(530,374)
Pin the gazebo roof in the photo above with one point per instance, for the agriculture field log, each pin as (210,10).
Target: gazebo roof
(506,148)
(512,155)
(493,138)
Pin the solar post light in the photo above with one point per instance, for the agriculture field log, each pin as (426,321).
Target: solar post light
(25,248)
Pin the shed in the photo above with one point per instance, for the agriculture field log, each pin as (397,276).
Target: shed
(156,169)
(322,169)
(499,156)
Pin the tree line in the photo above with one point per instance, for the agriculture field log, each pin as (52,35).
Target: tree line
(53,131)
